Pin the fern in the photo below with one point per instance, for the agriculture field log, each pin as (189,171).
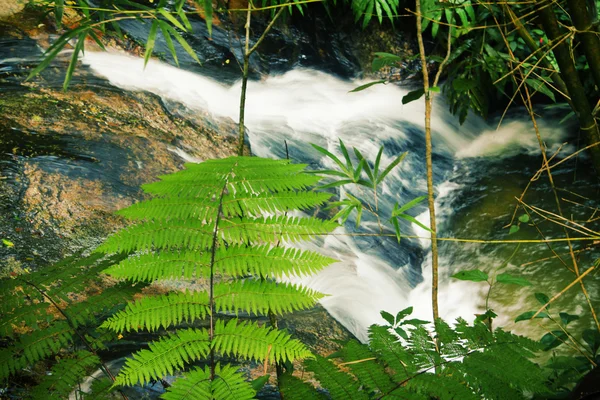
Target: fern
(461,362)
(49,315)
(227,384)
(224,222)
(65,375)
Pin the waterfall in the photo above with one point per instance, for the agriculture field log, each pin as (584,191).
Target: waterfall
(307,106)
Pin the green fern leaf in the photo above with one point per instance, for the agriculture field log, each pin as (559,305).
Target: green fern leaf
(260,297)
(267,261)
(66,374)
(390,351)
(363,364)
(228,384)
(164,357)
(152,313)
(253,342)
(173,234)
(293,388)
(340,386)
(164,265)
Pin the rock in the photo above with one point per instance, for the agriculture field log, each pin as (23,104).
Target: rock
(10,7)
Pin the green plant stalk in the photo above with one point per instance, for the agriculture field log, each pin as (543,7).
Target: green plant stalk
(571,78)
(589,39)
(247,53)
(429,162)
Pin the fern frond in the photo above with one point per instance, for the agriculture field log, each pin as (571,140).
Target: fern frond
(441,387)
(233,205)
(172,234)
(35,346)
(260,297)
(99,390)
(340,386)
(66,374)
(253,342)
(273,229)
(29,314)
(152,313)
(293,388)
(267,261)
(161,208)
(228,384)
(162,265)
(388,349)
(164,356)
(362,363)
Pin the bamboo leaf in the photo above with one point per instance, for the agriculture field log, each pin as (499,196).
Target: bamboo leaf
(368,85)
(150,42)
(391,167)
(169,41)
(414,95)
(74,58)
(171,19)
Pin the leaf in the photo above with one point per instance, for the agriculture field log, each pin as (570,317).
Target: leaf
(553,339)
(542,298)
(169,41)
(391,167)
(388,317)
(403,313)
(412,96)
(463,84)
(150,42)
(473,275)
(401,332)
(259,382)
(332,157)
(382,60)
(208,15)
(74,58)
(513,280)
(8,243)
(368,85)
(366,166)
(346,155)
(435,89)
(592,338)
(183,43)
(566,317)
(524,218)
(513,229)
(58,12)
(414,322)
(414,221)
(527,315)
(408,205)
(171,19)
(541,87)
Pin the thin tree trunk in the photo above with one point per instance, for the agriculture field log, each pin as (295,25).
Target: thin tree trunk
(429,162)
(533,46)
(245,69)
(574,86)
(589,39)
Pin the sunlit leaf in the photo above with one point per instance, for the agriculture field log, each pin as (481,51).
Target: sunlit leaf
(511,279)
(527,315)
(474,275)
(368,85)
(388,317)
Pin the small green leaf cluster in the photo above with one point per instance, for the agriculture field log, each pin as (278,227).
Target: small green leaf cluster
(366,175)
(225,223)
(460,362)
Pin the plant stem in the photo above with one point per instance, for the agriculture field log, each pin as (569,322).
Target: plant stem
(429,162)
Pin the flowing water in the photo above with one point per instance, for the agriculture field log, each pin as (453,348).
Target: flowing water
(478,172)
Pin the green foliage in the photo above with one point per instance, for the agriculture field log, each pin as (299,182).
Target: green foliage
(209,222)
(167,17)
(366,9)
(369,175)
(47,316)
(197,384)
(460,362)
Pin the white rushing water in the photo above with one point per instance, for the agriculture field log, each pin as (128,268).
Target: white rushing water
(304,106)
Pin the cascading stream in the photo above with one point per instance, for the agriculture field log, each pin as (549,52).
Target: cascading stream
(305,106)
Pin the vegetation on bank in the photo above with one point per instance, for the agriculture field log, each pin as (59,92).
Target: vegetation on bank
(229,224)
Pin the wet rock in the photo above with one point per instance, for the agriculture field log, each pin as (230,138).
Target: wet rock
(10,7)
